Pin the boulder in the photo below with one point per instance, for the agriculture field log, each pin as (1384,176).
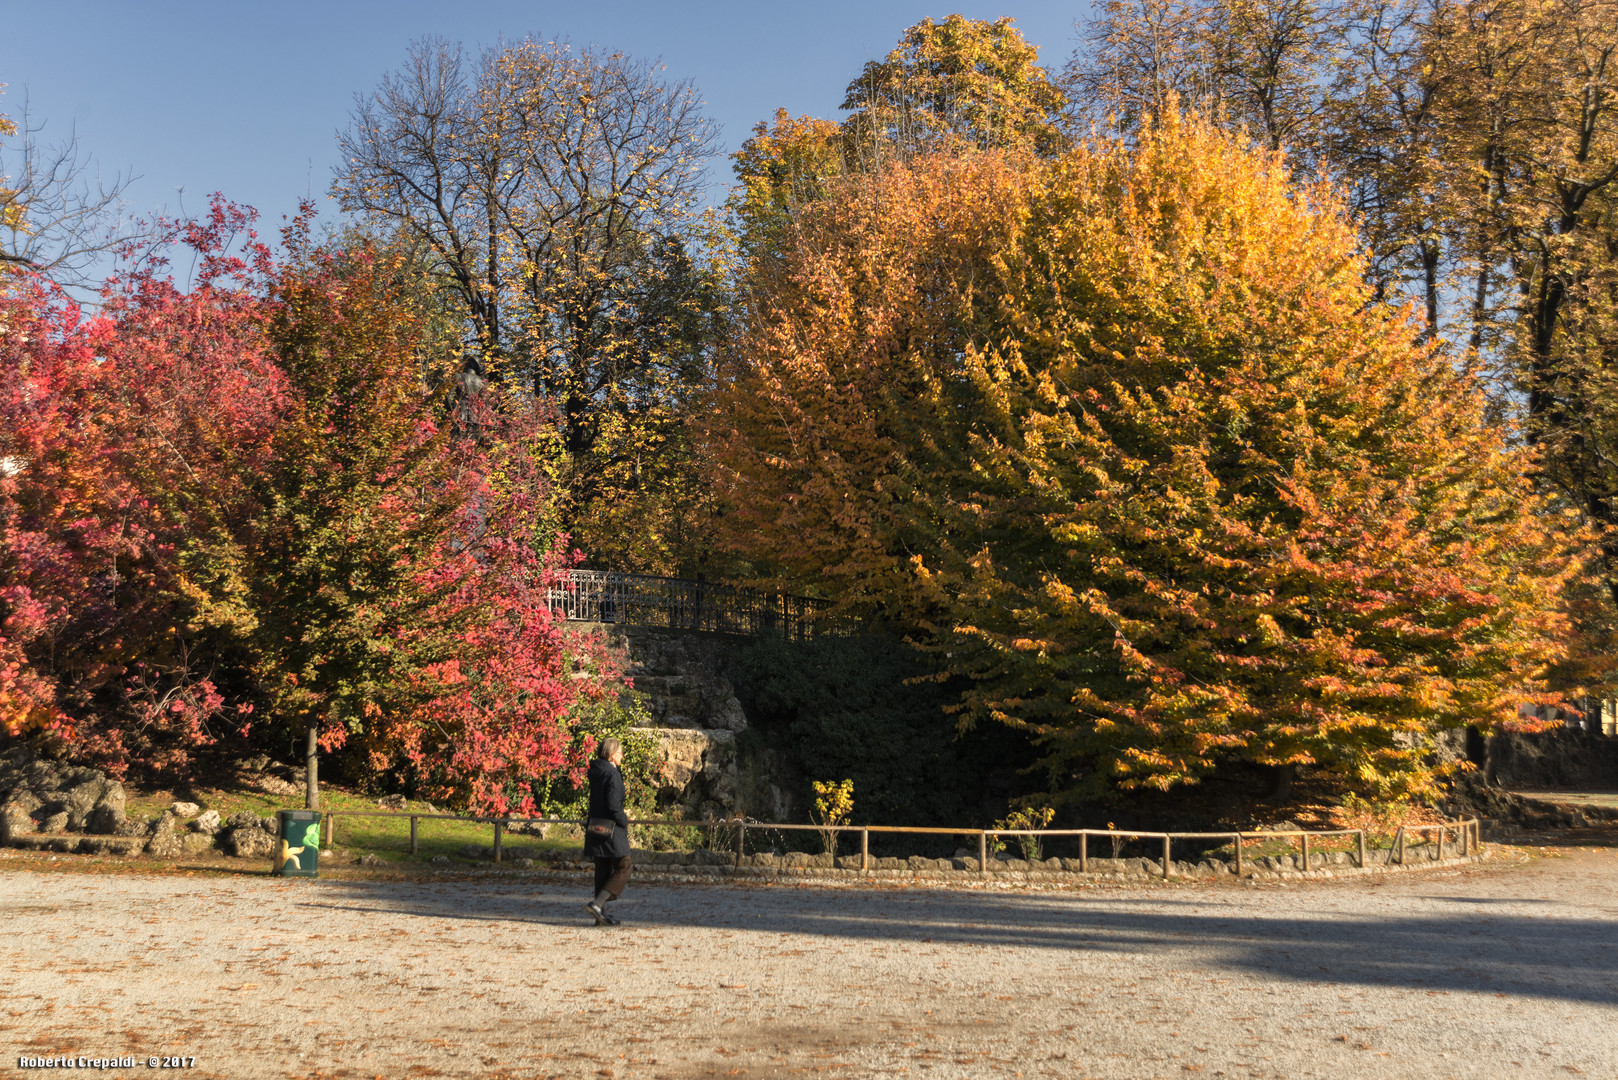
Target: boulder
(15,820)
(208,822)
(196,843)
(106,819)
(274,785)
(441,860)
(247,842)
(53,822)
(164,845)
(184,809)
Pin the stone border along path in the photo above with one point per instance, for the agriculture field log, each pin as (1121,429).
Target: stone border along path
(1459,974)
(572,869)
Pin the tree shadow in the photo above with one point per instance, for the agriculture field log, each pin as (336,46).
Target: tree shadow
(1292,938)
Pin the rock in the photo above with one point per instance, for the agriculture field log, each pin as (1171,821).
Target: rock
(129,826)
(525,863)
(208,822)
(564,830)
(391,802)
(184,809)
(27,800)
(247,842)
(274,785)
(53,823)
(367,860)
(848,862)
(164,845)
(441,860)
(15,820)
(245,818)
(105,819)
(196,843)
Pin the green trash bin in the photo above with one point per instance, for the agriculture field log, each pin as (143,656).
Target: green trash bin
(297,848)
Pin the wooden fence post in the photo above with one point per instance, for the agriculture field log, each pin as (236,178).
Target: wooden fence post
(331,830)
(865,850)
(983,852)
(497,826)
(1084,853)
(1166,861)
(412,834)
(1238,855)
(1360,833)
(741,842)
(1400,840)
(1306,852)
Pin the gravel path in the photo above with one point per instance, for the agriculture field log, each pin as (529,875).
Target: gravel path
(1504,972)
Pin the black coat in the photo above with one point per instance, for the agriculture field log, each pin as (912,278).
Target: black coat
(607,801)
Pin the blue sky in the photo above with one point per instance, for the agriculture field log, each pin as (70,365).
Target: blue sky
(245,98)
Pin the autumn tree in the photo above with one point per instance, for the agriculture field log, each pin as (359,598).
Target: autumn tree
(58,215)
(966,81)
(946,86)
(1120,435)
(126,438)
(554,193)
(1256,63)
(235,509)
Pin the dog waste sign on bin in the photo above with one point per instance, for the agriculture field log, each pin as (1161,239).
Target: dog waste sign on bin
(297,851)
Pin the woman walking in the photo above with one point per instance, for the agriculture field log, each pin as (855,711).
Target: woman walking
(606,833)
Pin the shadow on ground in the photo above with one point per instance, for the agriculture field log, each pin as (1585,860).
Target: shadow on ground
(1433,941)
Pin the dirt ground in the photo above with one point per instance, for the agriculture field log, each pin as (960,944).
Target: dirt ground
(1505,972)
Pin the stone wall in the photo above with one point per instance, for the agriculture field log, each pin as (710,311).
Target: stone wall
(709,767)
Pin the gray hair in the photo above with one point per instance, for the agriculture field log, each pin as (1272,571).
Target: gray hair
(606,748)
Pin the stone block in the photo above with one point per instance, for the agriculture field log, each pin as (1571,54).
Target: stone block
(196,843)
(208,822)
(164,845)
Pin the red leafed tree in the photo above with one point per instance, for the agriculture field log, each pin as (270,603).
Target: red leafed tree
(125,436)
(238,500)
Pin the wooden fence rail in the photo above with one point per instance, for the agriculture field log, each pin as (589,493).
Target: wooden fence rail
(1465,830)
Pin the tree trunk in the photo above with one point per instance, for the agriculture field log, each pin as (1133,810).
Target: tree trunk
(1284,775)
(311,768)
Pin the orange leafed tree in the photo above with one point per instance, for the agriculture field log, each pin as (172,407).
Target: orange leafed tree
(1120,433)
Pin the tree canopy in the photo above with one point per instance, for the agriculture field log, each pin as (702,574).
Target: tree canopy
(1120,434)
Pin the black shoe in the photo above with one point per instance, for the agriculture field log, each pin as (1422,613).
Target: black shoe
(608,919)
(601,917)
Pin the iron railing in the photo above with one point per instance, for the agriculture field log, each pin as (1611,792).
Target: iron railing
(667,603)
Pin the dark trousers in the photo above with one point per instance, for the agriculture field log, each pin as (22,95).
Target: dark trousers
(612,875)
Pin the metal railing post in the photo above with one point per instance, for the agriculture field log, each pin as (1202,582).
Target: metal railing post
(412,834)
